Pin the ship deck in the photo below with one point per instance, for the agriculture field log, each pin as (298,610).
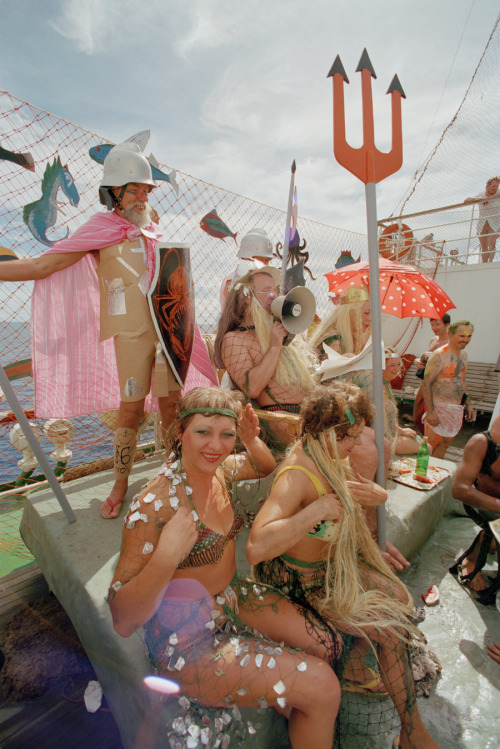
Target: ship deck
(461,712)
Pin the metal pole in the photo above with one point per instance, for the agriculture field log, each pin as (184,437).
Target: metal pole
(378,397)
(33,443)
(286,243)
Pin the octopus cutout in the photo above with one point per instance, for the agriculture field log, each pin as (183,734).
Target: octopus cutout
(296,252)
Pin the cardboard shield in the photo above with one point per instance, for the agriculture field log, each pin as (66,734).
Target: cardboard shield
(171,301)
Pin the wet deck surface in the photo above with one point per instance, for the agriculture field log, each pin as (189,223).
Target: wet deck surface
(462,713)
(464,710)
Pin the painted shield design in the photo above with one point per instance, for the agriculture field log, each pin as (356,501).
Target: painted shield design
(171,301)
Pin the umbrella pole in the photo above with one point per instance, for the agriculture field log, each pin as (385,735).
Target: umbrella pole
(378,385)
(33,443)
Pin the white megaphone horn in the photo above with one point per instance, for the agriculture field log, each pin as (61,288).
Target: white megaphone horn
(295,310)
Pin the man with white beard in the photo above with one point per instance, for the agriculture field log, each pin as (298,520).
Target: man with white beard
(249,345)
(122,243)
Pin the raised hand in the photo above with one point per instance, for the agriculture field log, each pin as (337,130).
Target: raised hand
(366,492)
(249,428)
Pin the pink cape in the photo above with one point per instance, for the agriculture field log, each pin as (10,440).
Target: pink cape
(73,372)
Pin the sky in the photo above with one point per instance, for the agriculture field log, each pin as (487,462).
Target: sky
(233,91)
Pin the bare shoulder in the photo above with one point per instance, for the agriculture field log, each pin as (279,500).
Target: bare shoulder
(477,445)
(295,473)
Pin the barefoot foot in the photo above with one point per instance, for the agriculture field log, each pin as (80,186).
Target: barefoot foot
(478,582)
(112,505)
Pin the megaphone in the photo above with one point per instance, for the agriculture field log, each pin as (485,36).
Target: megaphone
(295,310)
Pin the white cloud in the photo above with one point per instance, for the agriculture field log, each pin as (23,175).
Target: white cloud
(110,26)
(211,24)
(82,22)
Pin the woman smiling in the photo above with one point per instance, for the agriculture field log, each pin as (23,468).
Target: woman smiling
(177,577)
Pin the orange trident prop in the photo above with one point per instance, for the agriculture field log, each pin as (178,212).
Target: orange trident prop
(367,163)
(370,166)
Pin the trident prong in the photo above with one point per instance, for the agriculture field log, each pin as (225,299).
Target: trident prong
(367,162)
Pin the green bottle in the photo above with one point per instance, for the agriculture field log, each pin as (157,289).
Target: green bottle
(422,458)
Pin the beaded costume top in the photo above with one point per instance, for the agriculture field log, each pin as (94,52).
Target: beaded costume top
(211,545)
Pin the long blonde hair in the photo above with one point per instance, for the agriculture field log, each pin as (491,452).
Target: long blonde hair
(295,360)
(354,605)
(340,322)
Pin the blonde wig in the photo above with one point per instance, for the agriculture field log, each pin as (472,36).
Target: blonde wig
(341,323)
(295,360)
(348,599)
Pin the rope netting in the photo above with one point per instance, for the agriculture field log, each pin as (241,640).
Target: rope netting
(27,129)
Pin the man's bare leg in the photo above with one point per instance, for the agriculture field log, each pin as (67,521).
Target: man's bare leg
(129,417)
(168,408)
(487,240)
(438,445)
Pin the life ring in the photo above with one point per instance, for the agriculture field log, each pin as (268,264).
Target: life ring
(395,241)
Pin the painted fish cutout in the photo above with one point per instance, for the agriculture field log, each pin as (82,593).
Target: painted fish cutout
(345,258)
(141,139)
(215,226)
(42,214)
(23,159)
(7,254)
(99,153)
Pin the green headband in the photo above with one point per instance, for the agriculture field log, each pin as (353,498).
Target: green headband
(209,410)
(350,417)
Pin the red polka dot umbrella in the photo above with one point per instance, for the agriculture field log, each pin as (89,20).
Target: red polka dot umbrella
(404,290)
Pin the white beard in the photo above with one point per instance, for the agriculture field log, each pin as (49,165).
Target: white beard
(138,218)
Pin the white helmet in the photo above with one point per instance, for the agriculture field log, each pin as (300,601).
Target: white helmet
(255,244)
(124,163)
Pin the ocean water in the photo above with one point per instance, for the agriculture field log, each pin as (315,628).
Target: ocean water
(92,440)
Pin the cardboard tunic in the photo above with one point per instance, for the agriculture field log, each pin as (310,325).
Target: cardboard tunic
(74,372)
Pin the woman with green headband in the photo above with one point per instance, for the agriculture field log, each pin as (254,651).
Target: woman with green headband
(219,636)
(311,540)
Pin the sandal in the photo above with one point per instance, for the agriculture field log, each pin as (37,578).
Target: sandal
(107,502)
(483,539)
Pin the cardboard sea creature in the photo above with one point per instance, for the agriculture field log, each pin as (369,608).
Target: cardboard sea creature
(215,226)
(345,258)
(7,254)
(23,159)
(99,153)
(42,214)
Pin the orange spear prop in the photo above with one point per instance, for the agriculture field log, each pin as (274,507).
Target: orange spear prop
(370,165)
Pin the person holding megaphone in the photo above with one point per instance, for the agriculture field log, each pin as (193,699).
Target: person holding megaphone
(254,345)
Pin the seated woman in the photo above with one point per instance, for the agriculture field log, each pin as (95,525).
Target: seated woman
(348,328)
(176,577)
(310,539)
(403,440)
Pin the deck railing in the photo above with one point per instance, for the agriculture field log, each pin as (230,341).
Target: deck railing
(447,235)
